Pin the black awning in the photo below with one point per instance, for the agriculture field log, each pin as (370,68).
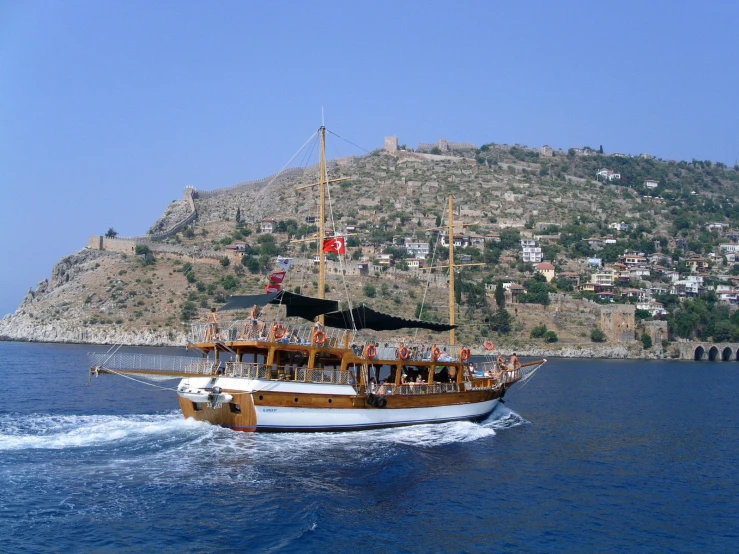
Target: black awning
(297,305)
(367,318)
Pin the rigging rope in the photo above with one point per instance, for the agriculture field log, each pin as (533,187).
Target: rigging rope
(340,256)
(428,279)
(261,192)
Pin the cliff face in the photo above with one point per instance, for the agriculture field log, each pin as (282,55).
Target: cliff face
(61,309)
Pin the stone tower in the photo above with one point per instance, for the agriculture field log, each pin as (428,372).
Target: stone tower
(618,322)
(391,144)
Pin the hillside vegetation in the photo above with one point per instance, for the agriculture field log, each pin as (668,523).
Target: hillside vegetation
(502,194)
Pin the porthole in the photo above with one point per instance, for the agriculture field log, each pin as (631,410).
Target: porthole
(296,400)
(261,397)
(329,401)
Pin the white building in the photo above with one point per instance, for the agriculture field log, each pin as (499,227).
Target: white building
(532,255)
(417,249)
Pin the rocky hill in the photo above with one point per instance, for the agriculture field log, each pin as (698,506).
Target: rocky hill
(146,291)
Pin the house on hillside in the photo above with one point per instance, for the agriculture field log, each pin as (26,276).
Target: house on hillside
(607,175)
(268,225)
(417,249)
(698,264)
(620,227)
(574,278)
(596,243)
(651,184)
(718,227)
(546,269)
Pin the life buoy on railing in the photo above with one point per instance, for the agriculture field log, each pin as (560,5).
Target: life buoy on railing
(436,353)
(404,352)
(464,355)
(488,345)
(370,351)
(279,330)
(319,337)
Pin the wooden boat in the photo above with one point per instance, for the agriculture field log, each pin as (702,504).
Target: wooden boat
(283,375)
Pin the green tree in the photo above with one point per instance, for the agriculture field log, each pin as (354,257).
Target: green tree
(146,254)
(369,290)
(646,341)
(596,335)
(539,331)
(501,322)
(111,234)
(551,336)
(500,295)
(188,311)
(225,262)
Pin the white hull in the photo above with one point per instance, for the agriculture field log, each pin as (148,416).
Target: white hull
(315,419)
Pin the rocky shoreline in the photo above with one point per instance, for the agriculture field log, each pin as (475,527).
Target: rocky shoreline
(48,333)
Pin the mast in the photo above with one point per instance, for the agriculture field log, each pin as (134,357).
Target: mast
(322,217)
(452,297)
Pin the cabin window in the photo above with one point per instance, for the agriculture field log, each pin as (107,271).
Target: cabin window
(197,406)
(235,408)
(328,361)
(384,372)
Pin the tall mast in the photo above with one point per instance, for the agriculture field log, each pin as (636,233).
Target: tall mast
(452,297)
(322,218)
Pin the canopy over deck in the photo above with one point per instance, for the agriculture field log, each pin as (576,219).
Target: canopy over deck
(367,318)
(297,305)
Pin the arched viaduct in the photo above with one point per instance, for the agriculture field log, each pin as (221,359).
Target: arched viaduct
(707,351)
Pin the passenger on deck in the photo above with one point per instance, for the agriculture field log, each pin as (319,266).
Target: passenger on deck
(502,363)
(253,333)
(317,325)
(514,361)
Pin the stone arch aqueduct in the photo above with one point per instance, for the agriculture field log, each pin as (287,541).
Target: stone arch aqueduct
(708,351)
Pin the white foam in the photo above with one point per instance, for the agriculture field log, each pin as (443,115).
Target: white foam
(36,431)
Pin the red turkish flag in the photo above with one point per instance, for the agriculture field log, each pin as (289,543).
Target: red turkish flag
(272,288)
(278,276)
(337,245)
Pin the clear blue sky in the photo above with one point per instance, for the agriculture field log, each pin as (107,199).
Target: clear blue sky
(108,109)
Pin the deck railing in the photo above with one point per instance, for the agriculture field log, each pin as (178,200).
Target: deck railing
(247,330)
(152,362)
(286,373)
(420,388)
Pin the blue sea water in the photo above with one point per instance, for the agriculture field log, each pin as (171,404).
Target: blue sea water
(590,455)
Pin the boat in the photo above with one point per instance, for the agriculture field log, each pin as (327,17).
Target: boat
(317,369)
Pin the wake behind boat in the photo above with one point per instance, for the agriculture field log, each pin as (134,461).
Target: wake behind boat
(287,374)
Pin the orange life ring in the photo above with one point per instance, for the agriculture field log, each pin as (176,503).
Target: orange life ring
(370,351)
(319,337)
(404,352)
(464,355)
(488,345)
(279,330)
(436,352)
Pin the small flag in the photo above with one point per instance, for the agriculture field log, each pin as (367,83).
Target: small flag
(277,276)
(336,245)
(272,288)
(284,263)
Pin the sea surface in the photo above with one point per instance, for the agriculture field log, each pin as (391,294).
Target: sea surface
(590,455)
